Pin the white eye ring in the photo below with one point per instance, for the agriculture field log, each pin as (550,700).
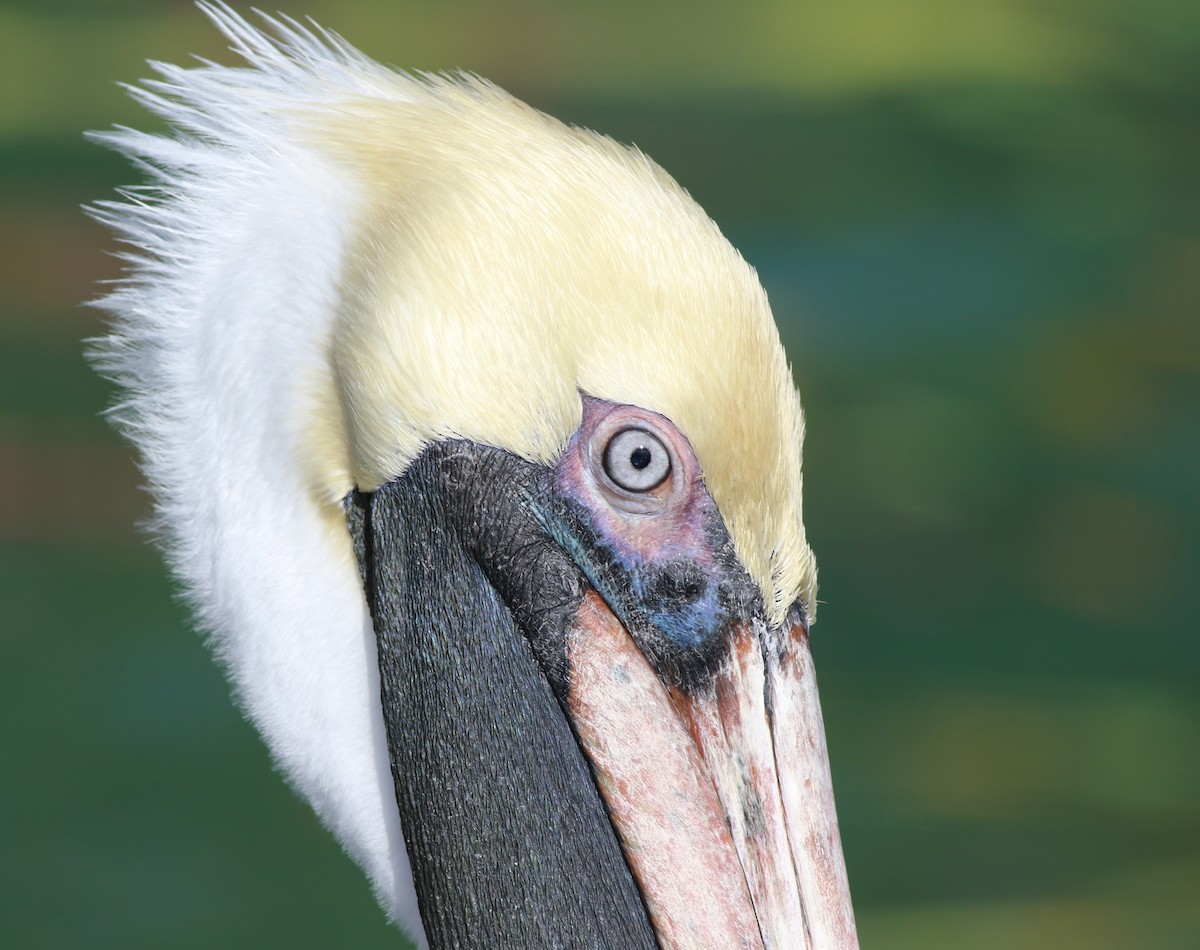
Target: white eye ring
(636,461)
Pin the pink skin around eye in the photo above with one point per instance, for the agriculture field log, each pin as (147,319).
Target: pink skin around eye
(660,525)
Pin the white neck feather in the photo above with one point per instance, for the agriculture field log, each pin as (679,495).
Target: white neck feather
(220,332)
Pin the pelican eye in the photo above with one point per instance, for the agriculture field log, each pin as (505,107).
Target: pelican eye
(636,461)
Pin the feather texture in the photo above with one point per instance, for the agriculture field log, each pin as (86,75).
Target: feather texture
(334,264)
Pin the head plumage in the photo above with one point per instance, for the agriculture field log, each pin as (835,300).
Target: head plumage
(504,262)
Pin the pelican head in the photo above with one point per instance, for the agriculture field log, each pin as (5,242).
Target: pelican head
(475,448)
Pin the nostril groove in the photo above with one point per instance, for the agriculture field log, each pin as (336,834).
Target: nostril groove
(680,581)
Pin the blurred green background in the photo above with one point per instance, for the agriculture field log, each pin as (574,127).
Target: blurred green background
(979,224)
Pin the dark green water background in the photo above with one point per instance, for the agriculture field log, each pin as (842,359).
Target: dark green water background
(979,225)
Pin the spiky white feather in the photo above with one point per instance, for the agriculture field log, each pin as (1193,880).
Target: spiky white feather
(335,264)
(238,245)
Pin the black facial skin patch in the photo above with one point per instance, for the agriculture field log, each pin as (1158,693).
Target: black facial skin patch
(658,601)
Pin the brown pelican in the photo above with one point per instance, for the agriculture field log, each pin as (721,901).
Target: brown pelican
(475,448)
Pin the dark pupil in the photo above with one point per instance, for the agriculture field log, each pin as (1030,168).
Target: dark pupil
(640,457)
